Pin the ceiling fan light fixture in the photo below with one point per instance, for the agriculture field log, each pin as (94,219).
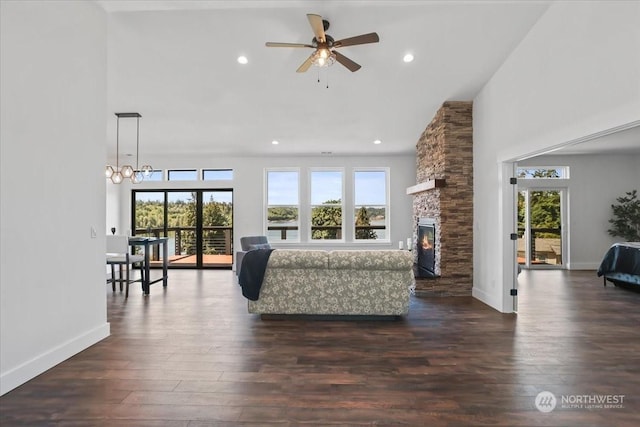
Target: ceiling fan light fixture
(324,45)
(324,58)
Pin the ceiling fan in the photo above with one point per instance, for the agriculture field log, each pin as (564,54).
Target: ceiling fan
(324,45)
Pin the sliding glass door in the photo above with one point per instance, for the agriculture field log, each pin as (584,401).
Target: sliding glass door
(217,221)
(198,223)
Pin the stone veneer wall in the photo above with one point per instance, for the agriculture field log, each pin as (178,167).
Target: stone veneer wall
(445,151)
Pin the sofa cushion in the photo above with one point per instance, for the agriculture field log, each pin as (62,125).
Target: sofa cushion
(292,258)
(370,260)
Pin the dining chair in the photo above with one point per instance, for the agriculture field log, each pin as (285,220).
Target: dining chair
(118,253)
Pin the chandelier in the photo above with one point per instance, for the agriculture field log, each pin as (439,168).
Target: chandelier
(118,174)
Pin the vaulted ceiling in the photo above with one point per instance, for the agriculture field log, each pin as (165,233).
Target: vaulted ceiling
(175,62)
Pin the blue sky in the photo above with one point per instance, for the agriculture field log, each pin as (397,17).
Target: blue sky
(370,187)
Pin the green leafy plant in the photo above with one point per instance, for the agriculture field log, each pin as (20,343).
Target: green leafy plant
(626,217)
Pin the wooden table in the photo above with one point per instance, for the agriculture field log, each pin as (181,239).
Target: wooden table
(147,243)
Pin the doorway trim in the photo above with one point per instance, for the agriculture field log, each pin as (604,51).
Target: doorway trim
(507,209)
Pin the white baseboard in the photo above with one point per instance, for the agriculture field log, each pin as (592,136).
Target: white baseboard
(481,295)
(39,364)
(583,266)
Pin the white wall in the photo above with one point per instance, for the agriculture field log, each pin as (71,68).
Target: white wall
(575,74)
(53,109)
(595,183)
(248,186)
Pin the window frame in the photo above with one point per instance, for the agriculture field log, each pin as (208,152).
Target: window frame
(195,171)
(563,172)
(309,209)
(204,171)
(157,175)
(386,206)
(266,204)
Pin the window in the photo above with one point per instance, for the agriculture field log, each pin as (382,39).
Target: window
(371,219)
(156,175)
(217,174)
(543,172)
(326,204)
(182,175)
(283,206)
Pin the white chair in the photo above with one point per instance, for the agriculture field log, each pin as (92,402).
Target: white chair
(118,254)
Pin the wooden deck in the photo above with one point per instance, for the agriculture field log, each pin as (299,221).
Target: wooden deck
(208,260)
(191,355)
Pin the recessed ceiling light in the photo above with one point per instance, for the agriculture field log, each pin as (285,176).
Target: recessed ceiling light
(274,142)
(408,57)
(377,141)
(242,59)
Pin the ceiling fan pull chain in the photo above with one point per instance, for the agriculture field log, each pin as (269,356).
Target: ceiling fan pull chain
(327,78)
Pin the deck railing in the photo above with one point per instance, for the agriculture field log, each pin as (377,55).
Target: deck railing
(216,240)
(284,229)
(542,233)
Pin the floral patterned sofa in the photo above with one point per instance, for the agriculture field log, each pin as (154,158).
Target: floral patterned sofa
(344,282)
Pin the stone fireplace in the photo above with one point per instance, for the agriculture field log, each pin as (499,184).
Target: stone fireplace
(444,195)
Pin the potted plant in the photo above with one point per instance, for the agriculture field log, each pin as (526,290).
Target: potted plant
(626,217)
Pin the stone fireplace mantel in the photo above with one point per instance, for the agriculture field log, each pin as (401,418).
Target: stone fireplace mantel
(426,186)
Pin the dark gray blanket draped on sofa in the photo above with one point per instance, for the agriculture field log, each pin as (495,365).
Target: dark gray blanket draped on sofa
(254,265)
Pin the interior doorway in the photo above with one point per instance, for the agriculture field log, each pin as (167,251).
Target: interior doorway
(198,223)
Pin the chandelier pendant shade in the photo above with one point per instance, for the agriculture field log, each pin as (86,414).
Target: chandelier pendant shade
(118,174)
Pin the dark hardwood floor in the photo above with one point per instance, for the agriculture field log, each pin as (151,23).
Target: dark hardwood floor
(192,356)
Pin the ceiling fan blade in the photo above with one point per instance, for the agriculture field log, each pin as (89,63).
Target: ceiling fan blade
(352,66)
(306,64)
(274,44)
(317,26)
(361,39)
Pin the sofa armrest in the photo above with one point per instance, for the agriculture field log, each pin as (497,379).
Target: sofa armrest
(238,260)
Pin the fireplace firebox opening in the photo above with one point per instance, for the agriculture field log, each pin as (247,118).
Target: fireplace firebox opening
(426,247)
